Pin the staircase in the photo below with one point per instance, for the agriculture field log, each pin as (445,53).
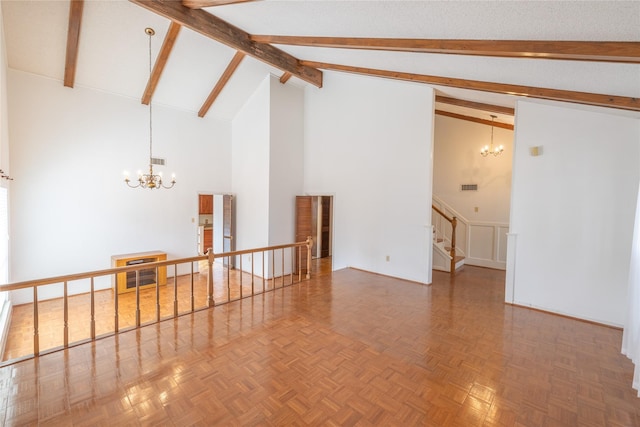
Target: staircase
(445,257)
(442,258)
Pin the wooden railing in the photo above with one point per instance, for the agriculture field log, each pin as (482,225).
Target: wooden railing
(295,252)
(454,222)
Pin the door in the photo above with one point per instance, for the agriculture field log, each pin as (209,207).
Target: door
(304,225)
(325,227)
(314,218)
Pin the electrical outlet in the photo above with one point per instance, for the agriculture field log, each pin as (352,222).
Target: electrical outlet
(388,258)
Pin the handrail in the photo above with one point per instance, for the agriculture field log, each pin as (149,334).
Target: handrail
(96,273)
(295,253)
(454,223)
(442,213)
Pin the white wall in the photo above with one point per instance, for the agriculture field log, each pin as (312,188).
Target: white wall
(457,145)
(268,169)
(368,142)
(250,171)
(286,166)
(572,210)
(71,209)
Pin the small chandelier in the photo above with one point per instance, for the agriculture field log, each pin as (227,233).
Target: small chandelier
(486,150)
(150,180)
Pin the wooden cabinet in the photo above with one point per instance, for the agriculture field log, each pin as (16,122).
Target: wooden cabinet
(208,238)
(147,277)
(205,205)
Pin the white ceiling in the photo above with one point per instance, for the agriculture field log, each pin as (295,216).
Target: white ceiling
(113,53)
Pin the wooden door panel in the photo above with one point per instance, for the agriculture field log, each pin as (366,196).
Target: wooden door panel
(304,225)
(326,227)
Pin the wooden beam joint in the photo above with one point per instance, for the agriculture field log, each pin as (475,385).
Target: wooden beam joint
(217,29)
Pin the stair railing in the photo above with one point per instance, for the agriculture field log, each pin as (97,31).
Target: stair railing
(454,222)
(289,274)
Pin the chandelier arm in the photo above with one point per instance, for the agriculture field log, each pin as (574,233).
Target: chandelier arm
(129,183)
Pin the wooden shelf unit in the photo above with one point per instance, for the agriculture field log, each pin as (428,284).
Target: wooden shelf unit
(121,280)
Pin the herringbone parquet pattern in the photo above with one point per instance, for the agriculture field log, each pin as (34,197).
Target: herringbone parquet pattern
(351,348)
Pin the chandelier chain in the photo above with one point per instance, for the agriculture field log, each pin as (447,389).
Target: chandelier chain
(150,180)
(150,108)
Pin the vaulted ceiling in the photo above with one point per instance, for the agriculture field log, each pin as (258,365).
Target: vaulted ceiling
(471,52)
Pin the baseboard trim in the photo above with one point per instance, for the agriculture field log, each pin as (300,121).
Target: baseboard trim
(566,316)
(390,277)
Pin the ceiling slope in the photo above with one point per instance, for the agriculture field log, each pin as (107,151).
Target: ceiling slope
(464,47)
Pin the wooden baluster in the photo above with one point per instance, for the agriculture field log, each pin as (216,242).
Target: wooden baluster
(210,300)
(193,301)
(241,276)
(299,250)
(36,337)
(263,273)
(454,223)
(158,295)
(116,321)
(273,268)
(65,308)
(252,279)
(309,245)
(175,290)
(282,272)
(228,278)
(93,310)
(137,298)
(293,262)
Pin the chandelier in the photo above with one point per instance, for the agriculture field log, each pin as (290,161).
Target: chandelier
(486,150)
(150,180)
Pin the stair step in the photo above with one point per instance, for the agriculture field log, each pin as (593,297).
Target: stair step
(459,258)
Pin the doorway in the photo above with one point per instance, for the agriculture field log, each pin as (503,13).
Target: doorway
(314,218)
(473,188)
(216,225)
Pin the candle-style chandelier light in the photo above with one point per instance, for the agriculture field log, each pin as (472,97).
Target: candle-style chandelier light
(486,150)
(150,180)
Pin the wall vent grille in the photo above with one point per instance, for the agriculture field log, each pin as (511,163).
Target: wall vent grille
(157,161)
(469,187)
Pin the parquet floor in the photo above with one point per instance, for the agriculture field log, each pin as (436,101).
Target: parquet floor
(347,348)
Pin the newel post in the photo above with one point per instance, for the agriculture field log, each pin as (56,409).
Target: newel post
(210,259)
(309,245)
(454,223)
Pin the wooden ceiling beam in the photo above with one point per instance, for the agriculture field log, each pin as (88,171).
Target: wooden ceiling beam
(611,101)
(285,77)
(608,51)
(476,105)
(474,119)
(161,61)
(224,79)
(217,29)
(199,4)
(73,41)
